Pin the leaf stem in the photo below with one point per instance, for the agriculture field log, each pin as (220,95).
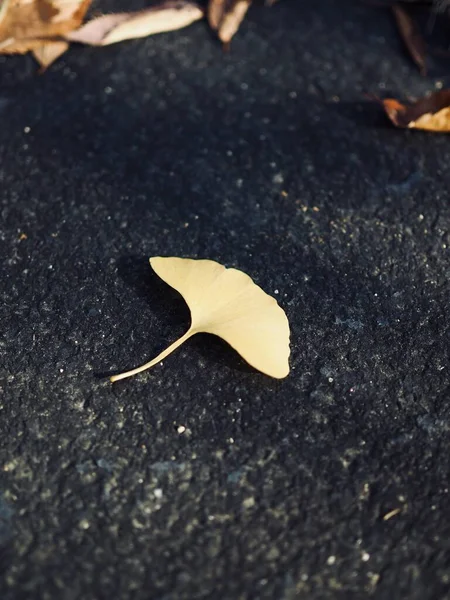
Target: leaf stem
(156,360)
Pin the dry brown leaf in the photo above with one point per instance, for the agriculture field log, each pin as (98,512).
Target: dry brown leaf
(412,39)
(109,29)
(431,113)
(227,303)
(26,25)
(225,17)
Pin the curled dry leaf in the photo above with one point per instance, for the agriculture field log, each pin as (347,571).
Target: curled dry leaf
(109,29)
(431,113)
(227,303)
(35,25)
(225,17)
(411,37)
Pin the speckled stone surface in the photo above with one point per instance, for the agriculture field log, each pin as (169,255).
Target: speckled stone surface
(202,478)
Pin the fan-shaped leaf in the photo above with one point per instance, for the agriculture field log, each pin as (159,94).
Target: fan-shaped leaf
(227,303)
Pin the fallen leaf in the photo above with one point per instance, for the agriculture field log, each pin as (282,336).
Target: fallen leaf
(431,113)
(109,29)
(33,25)
(225,17)
(227,303)
(411,37)
(216,11)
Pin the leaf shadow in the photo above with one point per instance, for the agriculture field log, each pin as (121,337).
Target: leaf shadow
(368,114)
(165,302)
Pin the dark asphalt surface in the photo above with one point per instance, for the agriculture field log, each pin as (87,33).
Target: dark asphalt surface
(202,478)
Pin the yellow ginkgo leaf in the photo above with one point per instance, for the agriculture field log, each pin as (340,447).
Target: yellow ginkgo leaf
(227,303)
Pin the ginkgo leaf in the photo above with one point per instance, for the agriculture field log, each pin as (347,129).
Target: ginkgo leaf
(227,303)
(431,113)
(110,29)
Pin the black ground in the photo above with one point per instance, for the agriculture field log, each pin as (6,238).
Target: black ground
(269,159)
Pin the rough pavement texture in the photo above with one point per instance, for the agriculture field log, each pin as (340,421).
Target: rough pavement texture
(269,159)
